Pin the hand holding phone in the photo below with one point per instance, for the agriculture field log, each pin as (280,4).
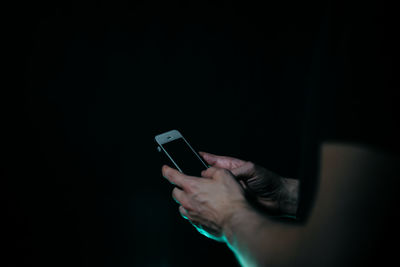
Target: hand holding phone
(180,153)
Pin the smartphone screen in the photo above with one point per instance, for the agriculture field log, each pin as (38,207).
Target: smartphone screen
(183,156)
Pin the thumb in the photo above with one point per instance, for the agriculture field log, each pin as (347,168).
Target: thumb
(209,158)
(244,172)
(222,161)
(208,173)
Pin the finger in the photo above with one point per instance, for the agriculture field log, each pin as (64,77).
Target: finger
(209,173)
(175,177)
(245,171)
(183,212)
(243,184)
(180,197)
(222,161)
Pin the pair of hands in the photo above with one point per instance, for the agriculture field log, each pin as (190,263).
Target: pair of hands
(210,202)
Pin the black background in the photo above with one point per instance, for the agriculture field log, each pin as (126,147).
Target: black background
(93,82)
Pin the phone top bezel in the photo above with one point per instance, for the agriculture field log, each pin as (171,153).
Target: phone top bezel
(168,137)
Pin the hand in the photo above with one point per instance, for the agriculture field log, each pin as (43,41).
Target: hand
(277,194)
(209,202)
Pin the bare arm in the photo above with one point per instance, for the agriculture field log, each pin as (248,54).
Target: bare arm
(344,226)
(256,240)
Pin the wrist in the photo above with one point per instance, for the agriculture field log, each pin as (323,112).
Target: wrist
(236,218)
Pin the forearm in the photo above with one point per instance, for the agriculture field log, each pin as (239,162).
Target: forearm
(343,227)
(258,241)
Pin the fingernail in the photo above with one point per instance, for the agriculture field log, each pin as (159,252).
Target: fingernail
(162,170)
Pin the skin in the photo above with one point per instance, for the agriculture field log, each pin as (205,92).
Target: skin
(350,216)
(196,202)
(278,195)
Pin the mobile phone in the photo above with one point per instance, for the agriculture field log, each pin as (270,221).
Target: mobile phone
(180,153)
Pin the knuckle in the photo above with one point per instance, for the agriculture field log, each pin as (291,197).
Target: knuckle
(206,172)
(183,212)
(223,172)
(251,165)
(210,170)
(175,194)
(191,186)
(182,209)
(220,172)
(227,172)
(187,206)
